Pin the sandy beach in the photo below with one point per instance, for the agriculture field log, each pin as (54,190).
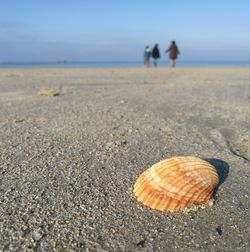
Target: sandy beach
(73,142)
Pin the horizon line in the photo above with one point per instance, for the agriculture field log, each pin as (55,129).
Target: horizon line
(110,61)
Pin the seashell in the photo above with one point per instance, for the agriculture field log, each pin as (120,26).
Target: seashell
(176,183)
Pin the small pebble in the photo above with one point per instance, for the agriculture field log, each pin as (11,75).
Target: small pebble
(141,242)
(219,230)
(37,236)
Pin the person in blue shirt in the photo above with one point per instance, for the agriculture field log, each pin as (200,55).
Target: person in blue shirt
(147,55)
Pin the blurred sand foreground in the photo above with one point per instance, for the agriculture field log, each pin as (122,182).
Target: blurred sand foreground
(73,142)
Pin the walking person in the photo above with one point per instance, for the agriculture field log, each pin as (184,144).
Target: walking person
(173,53)
(156,54)
(147,55)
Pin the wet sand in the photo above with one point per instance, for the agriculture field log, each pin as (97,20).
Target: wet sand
(73,142)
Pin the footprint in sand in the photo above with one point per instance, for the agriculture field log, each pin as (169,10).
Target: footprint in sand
(237,142)
(240,145)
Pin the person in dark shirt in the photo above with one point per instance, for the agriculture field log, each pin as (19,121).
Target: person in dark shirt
(156,54)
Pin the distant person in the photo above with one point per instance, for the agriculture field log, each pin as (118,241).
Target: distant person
(147,55)
(173,53)
(156,54)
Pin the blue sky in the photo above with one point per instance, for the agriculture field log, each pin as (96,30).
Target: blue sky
(83,30)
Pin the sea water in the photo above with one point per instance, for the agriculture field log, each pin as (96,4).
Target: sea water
(121,64)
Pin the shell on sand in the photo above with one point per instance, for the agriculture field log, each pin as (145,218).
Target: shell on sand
(176,183)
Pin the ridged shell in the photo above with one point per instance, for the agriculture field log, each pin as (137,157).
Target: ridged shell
(176,183)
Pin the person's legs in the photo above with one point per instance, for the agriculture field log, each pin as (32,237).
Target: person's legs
(155,62)
(172,62)
(148,64)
